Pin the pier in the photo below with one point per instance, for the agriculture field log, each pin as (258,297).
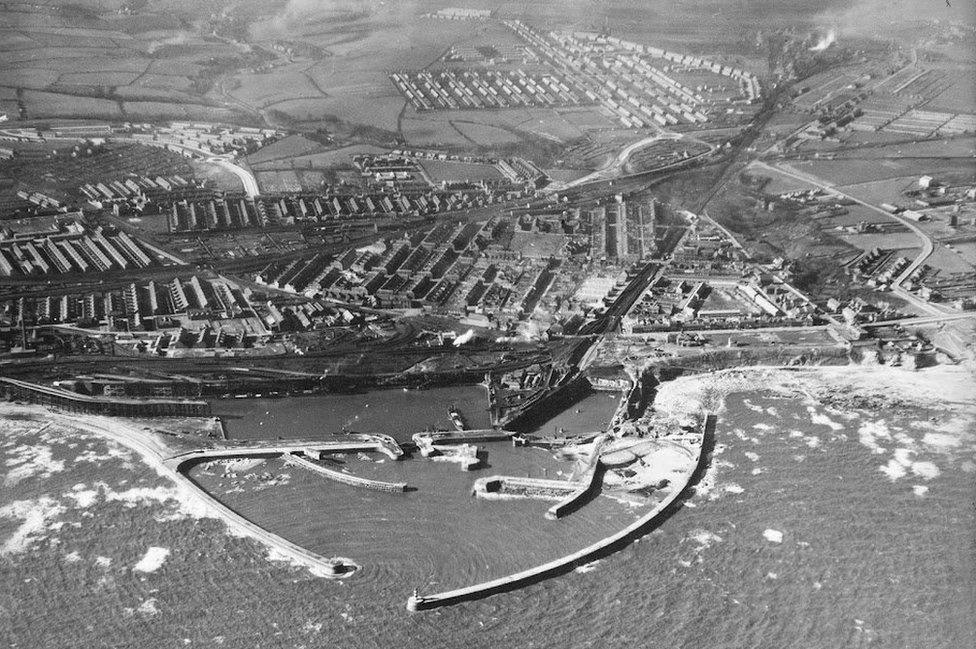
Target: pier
(457,445)
(570,493)
(345,478)
(362,443)
(417,602)
(503,485)
(585,489)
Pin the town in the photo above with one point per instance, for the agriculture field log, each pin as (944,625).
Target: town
(453,300)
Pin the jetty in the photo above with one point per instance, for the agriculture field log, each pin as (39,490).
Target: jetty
(358,443)
(346,478)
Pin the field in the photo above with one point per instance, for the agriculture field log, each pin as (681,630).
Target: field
(273,182)
(180,60)
(537,245)
(277,157)
(72,61)
(465,171)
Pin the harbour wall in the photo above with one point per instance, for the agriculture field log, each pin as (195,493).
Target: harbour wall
(523,487)
(565,564)
(575,500)
(282,548)
(345,478)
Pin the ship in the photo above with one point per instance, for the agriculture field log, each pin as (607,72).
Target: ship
(456,418)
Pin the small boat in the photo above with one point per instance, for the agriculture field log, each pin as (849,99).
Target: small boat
(456,418)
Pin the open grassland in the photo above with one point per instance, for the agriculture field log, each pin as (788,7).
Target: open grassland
(87,61)
(439,170)
(322,158)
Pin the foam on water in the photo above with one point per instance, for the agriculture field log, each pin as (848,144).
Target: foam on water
(152,560)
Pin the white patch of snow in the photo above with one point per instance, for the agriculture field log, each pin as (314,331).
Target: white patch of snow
(773,536)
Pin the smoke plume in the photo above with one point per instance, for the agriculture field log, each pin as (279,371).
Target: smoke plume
(464,338)
(825,41)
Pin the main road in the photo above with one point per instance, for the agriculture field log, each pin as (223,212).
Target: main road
(928,246)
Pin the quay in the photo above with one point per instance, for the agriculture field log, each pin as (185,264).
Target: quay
(417,602)
(345,478)
(553,441)
(457,445)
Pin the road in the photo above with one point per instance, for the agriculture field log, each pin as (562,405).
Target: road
(928,245)
(616,167)
(225,161)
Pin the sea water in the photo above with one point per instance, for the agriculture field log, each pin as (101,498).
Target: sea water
(800,535)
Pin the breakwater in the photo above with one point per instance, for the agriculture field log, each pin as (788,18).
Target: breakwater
(345,478)
(575,500)
(587,486)
(515,486)
(417,602)
(177,466)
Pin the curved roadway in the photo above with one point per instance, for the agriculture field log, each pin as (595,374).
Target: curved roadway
(927,244)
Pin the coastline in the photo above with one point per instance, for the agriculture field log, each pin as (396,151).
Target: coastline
(681,399)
